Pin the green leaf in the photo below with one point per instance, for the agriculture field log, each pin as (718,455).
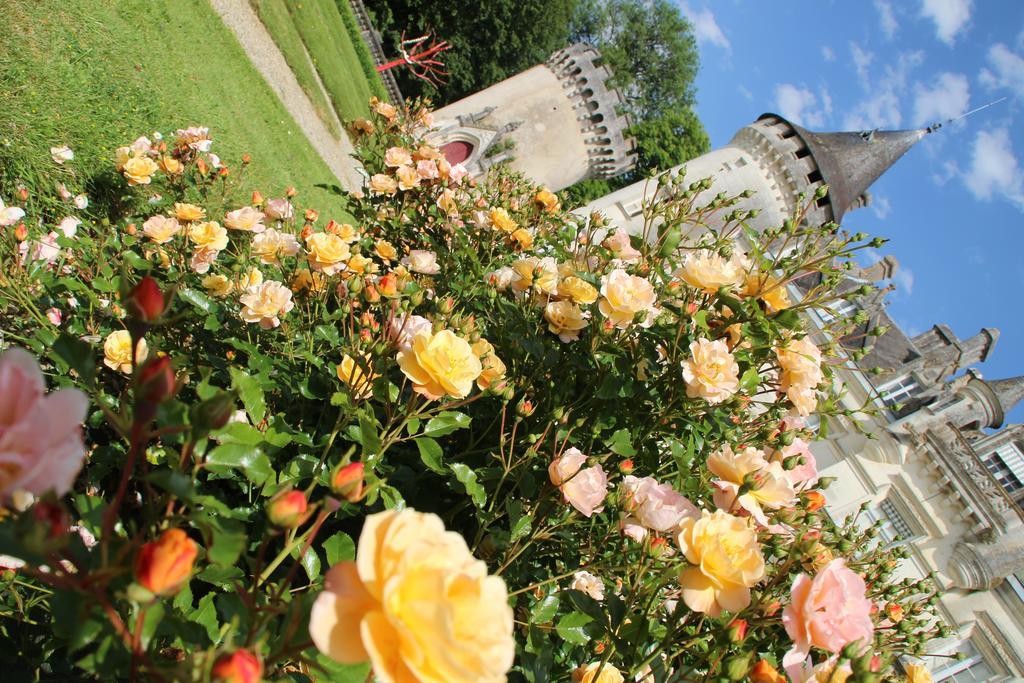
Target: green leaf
(750,381)
(467,477)
(227,544)
(339,547)
(250,459)
(77,354)
(446,423)
(197,299)
(206,616)
(251,393)
(520,528)
(788,318)
(621,443)
(310,562)
(571,628)
(220,576)
(544,610)
(154,615)
(431,454)
(368,432)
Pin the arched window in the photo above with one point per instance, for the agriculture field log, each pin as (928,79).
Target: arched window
(457,151)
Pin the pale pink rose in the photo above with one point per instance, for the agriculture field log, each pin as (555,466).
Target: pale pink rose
(501,278)
(246,218)
(194,137)
(41,446)
(585,582)
(45,249)
(457,173)
(801,476)
(54,316)
(9,215)
(278,209)
(69,226)
(828,612)
(61,154)
(62,190)
(405,327)
(397,156)
(584,489)
(202,259)
(142,145)
(618,243)
(654,506)
(214,161)
(426,169)
(772,489)
(422,261)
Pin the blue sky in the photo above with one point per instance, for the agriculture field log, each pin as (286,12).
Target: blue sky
(953,207)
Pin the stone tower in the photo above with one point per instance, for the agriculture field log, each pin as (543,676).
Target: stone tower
(558,123)
(777,160)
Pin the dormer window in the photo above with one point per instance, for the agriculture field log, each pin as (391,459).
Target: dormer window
(843,308)
(898,390)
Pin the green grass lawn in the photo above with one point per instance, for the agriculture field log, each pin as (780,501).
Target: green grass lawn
(324,30)
(96,75)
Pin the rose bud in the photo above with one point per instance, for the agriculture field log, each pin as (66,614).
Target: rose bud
(241,666)
(626,467)
(738,630)
(131,229)
(20,232)
(145,301)
(815,500)
(246,158)
(312,215)
(288,509)
(22,193)
(156,381)
(894,612)
(163,566)
(223,172)
(347,482)
(257,198)
(737,666)
(201,166)
(213,413)
(307,230)
(291,192)
(659,547)
(763,672)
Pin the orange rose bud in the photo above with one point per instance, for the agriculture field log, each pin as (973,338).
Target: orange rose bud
(291,192)
(763,672)
(626,466)
(241,666)
(22,193)
(145,301)
(246,158)
(131,229)
(332,227)
(307,230)
(163,566)
(312,215)
(815,500)
(659,546)
(257,198)
(388,285)
(20,232)
(201,165)
(156,381)
(371,294)
(288,509)
(223,172)
(894,612)
(738,630)
(347,482)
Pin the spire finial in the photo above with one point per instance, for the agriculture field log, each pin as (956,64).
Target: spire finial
(935,126)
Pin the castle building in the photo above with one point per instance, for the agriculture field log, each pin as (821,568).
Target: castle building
(558,123)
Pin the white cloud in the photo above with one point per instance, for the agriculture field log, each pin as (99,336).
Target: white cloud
(826,102)
(886,18)
(947,99)
(946,172)
(994,171)
(861,61)
(903,278)
(881,108)
(799,105)
(828,54)
(1007,70)
(950,17)
(705,27)
(743,90)
(881,206)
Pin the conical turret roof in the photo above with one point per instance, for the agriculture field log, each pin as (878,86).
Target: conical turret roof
(850,162)
(1010,392)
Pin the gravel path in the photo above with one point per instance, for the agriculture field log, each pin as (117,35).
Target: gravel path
(240,17)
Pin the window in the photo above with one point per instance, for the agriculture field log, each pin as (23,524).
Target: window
(896,527)
(898,390)
(1006,464)
(971,669)
(840,309)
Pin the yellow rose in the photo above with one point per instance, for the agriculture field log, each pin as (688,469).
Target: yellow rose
(327,253)
(246,218)
(171,166)
(708,271)
(416,604)
(407,177)
(139,170)
(800,361)
(540,274)
(161,229)
(265,303)
(547,200)
(772,488)
(358,379)
(397,156)
(359,265)
(446,202)
(304,279)
(624,297)
(589,674)
(385,250)
(122,155)
(523,237)
(345,232)
(769,289)
(502,221)
(270,245)
(440,364)
(117,351)
(188,212)
(577,289)
(711,372)
(218,285)
(249,279)
(727,562)
(565,319)
(383,184)
(208,235)
(386,110)
(493,367)
(917,673)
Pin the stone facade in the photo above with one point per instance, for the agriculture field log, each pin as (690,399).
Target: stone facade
(558,123)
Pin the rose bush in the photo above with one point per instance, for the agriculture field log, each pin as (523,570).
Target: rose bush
(456,435)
